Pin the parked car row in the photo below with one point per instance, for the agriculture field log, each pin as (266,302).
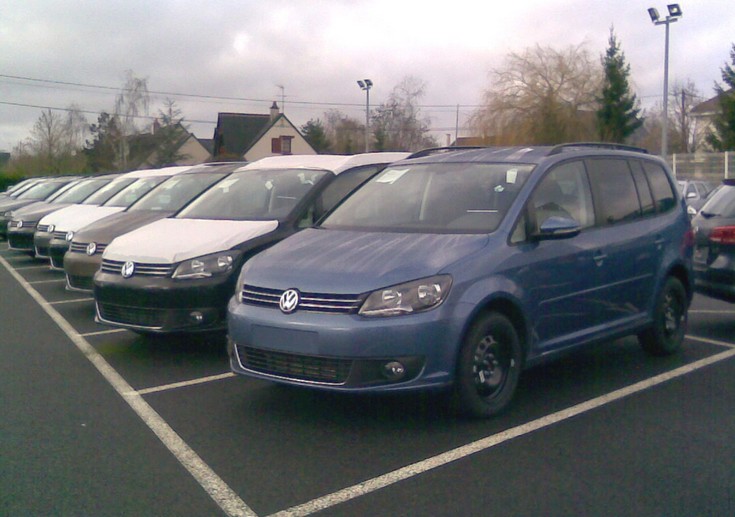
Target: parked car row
(449,269)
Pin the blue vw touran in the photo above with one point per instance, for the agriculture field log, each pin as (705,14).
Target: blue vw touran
(458,268)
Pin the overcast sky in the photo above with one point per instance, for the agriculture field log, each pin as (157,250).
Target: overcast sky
(240,56)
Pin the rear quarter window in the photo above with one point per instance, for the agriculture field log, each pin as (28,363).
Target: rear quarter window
(661,187)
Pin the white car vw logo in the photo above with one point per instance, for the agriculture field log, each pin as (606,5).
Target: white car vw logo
(289,301)
(128,269)
(91,248)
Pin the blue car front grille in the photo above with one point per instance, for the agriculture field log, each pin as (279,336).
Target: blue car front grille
(326,370)
(311,302)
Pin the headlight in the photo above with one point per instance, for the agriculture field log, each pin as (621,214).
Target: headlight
(691,211)
(408,298)
(207,266)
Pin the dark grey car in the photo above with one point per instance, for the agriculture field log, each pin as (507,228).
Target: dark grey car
(714,252)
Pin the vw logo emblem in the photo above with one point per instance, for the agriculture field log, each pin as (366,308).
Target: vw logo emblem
(20,224)
(91,248)
(289,301)
(128,269)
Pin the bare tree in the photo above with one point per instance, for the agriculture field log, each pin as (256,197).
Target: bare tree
(130,104)
(541,96)
(54,146)
(346,134)
(684,136)
(397,123)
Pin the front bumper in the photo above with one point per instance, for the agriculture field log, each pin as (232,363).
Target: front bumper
(56,250)
(41,242)
(80,269)
(344,352)
(21,239)
(162,305)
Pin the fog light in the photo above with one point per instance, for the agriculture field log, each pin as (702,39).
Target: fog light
(197,317)
(394,371)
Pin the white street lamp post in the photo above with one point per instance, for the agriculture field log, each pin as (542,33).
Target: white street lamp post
(674,14)
(366,84)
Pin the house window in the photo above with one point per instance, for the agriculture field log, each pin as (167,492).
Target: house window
(281,145)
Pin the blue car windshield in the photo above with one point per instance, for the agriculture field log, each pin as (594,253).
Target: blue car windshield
(433,198)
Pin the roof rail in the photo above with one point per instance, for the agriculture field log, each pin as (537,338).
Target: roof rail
(599,145)
(438,150)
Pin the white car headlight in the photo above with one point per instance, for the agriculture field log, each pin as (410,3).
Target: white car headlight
(207,265)
(411,297)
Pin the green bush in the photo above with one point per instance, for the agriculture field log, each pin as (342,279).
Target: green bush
(6,181)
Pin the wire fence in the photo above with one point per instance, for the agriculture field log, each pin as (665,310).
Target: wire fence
(713,167)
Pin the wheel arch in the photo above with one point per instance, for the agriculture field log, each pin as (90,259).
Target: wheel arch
(508,308)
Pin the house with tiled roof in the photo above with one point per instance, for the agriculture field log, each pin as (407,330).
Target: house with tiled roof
(705,112)
(168,145)
(246,136)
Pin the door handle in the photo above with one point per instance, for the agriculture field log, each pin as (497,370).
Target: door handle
(599,257)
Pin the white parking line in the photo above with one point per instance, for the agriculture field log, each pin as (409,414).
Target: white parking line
(184,384)
(711,341)
(102,332)
(54,281)
(484,444)
(76,300)
(711,311)
(217,489)
(23,268)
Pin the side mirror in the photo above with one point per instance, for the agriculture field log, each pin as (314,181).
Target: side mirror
(556,227)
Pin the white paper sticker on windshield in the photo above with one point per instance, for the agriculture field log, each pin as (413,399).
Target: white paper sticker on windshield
(225,185)
(391,175)
(511,175)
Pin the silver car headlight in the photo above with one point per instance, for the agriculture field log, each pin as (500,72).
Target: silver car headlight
(409,298)
(207,266)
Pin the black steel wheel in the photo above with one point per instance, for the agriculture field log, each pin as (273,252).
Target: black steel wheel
(666,334)
(489,367)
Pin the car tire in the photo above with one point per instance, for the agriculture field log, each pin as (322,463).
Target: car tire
(488,368)
(666,334)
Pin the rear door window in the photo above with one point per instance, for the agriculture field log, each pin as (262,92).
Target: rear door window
(615,188)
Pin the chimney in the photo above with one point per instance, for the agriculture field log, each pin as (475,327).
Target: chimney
(275,111)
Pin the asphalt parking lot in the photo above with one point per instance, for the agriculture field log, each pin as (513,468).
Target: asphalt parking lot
(95,421)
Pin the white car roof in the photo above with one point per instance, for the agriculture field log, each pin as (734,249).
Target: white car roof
(332,162)
(164,171)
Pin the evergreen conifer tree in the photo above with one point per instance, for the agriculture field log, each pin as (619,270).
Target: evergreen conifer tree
(618,114)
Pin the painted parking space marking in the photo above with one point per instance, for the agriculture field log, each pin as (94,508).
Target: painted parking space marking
(75,300)
(54,281)
(712,341)
(103,332)
(484,444)
(24,268)
(711,311)
(217,489)
(184,384)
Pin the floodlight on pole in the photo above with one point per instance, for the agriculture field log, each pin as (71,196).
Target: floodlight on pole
(366,84)
(674,15)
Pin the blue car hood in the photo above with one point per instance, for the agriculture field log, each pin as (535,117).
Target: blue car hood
(318,260)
